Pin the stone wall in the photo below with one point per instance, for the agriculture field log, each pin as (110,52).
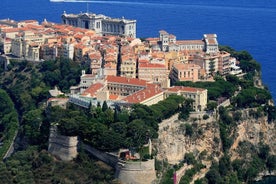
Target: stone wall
(108,158)
(136,172)
(127,172)
(63,147)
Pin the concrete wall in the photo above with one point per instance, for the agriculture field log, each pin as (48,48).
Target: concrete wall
(136,172)
(63,147)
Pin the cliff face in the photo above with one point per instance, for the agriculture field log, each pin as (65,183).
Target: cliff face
(255,131)
(173,141)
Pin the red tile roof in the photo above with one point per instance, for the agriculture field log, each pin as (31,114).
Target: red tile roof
(142,95)
(125,80)
(113,97)
(143,61)
(92,90)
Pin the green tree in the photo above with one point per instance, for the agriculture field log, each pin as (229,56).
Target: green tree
(32,121)
(104,107)
(138,132)
(271,162)
(189,158)
(264,151)
(224,165)
(188,130)
(211,106)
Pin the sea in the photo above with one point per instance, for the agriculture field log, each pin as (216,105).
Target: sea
(242,24)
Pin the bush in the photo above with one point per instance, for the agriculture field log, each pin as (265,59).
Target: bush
(189,158)
(205,116)
(188,130)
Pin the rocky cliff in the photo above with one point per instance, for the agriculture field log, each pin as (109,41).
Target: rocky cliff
(205,142)
(173,142)
(254,131)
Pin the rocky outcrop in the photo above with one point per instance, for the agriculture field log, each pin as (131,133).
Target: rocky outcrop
(254,131)
(172,143)
(63,147)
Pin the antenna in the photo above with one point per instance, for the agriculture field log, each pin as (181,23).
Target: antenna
(87,7)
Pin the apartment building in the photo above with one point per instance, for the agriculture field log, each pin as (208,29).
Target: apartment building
(152,72)
(184,72)
(224,63)
(208,62)
(128,66)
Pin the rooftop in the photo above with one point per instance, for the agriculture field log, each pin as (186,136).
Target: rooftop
(125,80)
(186,89)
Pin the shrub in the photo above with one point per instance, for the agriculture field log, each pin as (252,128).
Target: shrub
(205,116)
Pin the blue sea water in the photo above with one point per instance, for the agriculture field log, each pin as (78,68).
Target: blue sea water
(242,24)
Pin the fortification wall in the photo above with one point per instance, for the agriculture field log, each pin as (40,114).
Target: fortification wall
(136,172)
(63,147)
(108,158)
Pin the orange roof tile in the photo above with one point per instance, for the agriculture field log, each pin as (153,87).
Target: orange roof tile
(113,97)
(11,30)
(92,90)
(125,80)
(143,61)
(142,95)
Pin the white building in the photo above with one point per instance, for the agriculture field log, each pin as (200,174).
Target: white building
(101,24)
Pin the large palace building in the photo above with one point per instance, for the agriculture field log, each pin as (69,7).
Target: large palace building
(102,24)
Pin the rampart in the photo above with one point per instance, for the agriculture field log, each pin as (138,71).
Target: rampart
(136,172)
(108,158)
(127,172)
(63,147)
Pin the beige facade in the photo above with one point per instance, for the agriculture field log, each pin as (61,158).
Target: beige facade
(48,51)
(184,72)
(33,53)
(155,73)
(210,63)
(128,67)
(224,63)
(123,86)
(16,47)
(27,45)
(197,94)
(110,69)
